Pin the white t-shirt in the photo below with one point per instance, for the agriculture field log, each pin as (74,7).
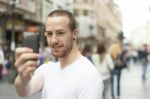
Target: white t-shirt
(105,66)
(1,56)
(79,80)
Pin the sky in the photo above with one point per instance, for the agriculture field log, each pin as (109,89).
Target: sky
(135,14)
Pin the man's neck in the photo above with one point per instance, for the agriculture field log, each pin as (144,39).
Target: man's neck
(70,58)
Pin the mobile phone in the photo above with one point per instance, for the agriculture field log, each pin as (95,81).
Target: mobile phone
(31,40)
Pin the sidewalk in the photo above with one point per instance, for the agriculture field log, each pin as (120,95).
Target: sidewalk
(132,86)
(7,91)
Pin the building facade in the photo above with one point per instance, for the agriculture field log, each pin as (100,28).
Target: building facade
(109,19)
(99,20)
(17,16)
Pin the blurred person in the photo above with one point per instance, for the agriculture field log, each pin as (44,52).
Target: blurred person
(87,51)
(5,71)
(105,65)
(134,55)
(119,58)
(72,77)
(8,56)
(2,58)
(143,55)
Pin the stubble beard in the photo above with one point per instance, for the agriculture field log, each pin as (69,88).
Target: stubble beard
(66,50)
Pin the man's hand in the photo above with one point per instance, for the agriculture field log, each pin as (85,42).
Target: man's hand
(26,62)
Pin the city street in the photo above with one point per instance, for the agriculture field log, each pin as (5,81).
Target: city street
(56,29)
(132,87)
(7,91)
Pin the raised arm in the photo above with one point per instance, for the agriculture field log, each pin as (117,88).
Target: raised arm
(27,82)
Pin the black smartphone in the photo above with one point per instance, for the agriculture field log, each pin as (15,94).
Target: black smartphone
(31,40)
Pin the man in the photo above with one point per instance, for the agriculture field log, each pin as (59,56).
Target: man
(72,77)
(2,58)
(143,55)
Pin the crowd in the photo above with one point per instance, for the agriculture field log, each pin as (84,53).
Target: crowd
(111,60)
(6,60)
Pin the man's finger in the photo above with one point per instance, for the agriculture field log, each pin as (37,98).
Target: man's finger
(26,57)
(21,50)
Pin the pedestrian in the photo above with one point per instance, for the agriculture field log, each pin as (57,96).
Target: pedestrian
(2,58)
(119,56)
(104,63)
(87,52)
(143,55)
(72,77)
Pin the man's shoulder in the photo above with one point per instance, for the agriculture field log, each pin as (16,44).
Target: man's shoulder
(85,62)
(87,67)
(88,72)
(46,66)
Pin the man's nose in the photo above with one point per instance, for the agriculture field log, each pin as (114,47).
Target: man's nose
(54,39)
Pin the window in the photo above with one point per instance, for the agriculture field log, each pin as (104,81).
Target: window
(49,1)
(90,1)
(102,31)
(85,1)
(78,1)
(85,12)
(76,12)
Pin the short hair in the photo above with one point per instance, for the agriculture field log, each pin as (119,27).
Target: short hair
(72,21)
(101,48)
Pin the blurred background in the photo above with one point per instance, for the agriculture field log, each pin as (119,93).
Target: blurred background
(99,21)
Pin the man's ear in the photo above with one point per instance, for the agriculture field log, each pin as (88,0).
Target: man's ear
(75,34)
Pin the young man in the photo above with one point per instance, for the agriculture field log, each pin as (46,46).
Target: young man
(72,77)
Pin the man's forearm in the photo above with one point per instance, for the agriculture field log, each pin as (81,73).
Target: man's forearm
(23,89)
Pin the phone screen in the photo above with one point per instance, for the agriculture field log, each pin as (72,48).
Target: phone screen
(31,40)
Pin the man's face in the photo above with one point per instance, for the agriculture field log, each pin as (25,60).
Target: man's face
(59,36)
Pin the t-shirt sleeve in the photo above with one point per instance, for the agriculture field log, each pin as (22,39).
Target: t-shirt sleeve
(90,87)
(43,68)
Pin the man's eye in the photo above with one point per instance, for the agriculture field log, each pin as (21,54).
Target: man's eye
(48,33)
(60,33)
